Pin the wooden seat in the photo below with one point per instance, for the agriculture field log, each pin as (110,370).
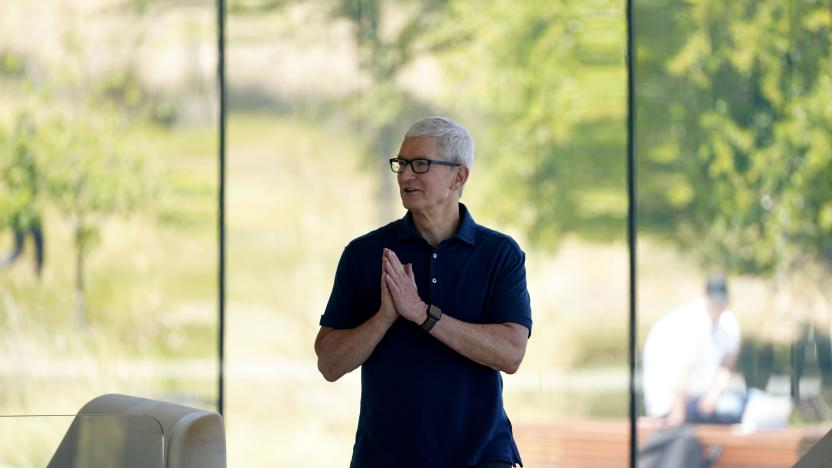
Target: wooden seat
(605,443)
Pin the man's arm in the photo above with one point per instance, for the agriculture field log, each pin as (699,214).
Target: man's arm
(341,351)
(499,346)
(707,404)
(678,406)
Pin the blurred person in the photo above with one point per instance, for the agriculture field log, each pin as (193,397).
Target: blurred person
(432,307)
(689,358)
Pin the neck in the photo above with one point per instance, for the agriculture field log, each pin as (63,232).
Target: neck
(714,312)
(437,225)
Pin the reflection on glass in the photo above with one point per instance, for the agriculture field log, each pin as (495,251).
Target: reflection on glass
(107,203)
(734,177)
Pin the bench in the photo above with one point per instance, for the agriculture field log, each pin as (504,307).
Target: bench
(605,443)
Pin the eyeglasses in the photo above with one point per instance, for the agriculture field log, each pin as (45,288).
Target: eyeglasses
(419,165)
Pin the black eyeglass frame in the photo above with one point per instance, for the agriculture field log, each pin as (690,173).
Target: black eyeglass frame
(403,163)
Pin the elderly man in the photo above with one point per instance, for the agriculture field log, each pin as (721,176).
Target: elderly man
(432,307)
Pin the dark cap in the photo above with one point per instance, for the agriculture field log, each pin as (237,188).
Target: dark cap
(717,288)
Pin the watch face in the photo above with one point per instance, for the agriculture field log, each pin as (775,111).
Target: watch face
(435,312)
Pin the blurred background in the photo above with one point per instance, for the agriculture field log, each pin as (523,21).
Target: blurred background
(109,187)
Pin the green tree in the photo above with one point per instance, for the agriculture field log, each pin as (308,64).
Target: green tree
(385,47)
(388,35)
(736,130)
(21,200)
(66,151)
(89,175)
(547,83)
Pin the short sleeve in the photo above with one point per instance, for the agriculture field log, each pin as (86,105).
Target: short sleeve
(510,301)
(341,308)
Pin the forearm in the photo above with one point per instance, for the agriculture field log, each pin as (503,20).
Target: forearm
(341,351)
(720,383)
(722,379)
(498,346)
(678,406)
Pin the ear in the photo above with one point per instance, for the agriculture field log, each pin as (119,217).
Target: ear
(460,177)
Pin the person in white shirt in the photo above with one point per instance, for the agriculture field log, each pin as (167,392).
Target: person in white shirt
(689,357)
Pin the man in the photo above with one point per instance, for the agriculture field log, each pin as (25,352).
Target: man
(689,357)
(432,307)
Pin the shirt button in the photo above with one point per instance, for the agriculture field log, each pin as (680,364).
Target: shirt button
(434,255)
(433,281)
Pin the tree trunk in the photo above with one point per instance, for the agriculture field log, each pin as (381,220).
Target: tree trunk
(80,295)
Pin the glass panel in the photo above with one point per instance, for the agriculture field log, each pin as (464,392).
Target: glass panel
(321,94)
(735,180)
(90,441)
(300,185)
(107,202)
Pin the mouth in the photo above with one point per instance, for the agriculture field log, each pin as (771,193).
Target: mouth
(408,190)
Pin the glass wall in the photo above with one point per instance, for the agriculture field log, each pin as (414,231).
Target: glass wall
(108,191)
(321,94)
(108,207)
(735,181)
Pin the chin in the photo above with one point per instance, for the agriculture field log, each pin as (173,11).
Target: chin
(410,203)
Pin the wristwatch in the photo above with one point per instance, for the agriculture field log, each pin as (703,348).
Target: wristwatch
(434,314)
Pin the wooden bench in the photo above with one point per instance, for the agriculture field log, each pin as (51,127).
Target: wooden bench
(605,443)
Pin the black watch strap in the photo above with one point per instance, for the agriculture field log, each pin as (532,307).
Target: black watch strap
(434,314)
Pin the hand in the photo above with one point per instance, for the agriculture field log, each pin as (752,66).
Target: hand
(707,404)
(388,307)
(402,286)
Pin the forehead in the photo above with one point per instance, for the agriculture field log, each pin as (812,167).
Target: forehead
(420,146)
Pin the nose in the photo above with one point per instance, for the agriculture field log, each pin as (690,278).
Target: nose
(407,173)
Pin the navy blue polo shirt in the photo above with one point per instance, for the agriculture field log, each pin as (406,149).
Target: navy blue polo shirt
(422,403)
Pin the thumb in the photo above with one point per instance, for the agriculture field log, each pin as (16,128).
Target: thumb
(408,269)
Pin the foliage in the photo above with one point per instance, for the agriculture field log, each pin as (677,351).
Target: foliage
(69,112)
(76,164)
(88,174)
(20,198)
(385,48)
(547,79)
(735,120)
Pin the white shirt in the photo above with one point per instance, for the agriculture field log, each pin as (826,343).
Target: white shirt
(685,341)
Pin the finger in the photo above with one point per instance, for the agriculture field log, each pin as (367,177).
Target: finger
(391,285)
(394,260)
(387,265)
(389,268)
(411,276)
(384,288)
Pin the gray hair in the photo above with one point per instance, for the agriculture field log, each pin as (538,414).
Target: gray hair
(454,142)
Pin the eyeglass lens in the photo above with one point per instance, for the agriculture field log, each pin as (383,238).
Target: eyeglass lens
(419,166)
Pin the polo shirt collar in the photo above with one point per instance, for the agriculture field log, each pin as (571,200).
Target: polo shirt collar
(466,232)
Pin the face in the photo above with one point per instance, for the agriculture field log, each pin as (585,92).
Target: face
(716,307)
(436,189)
